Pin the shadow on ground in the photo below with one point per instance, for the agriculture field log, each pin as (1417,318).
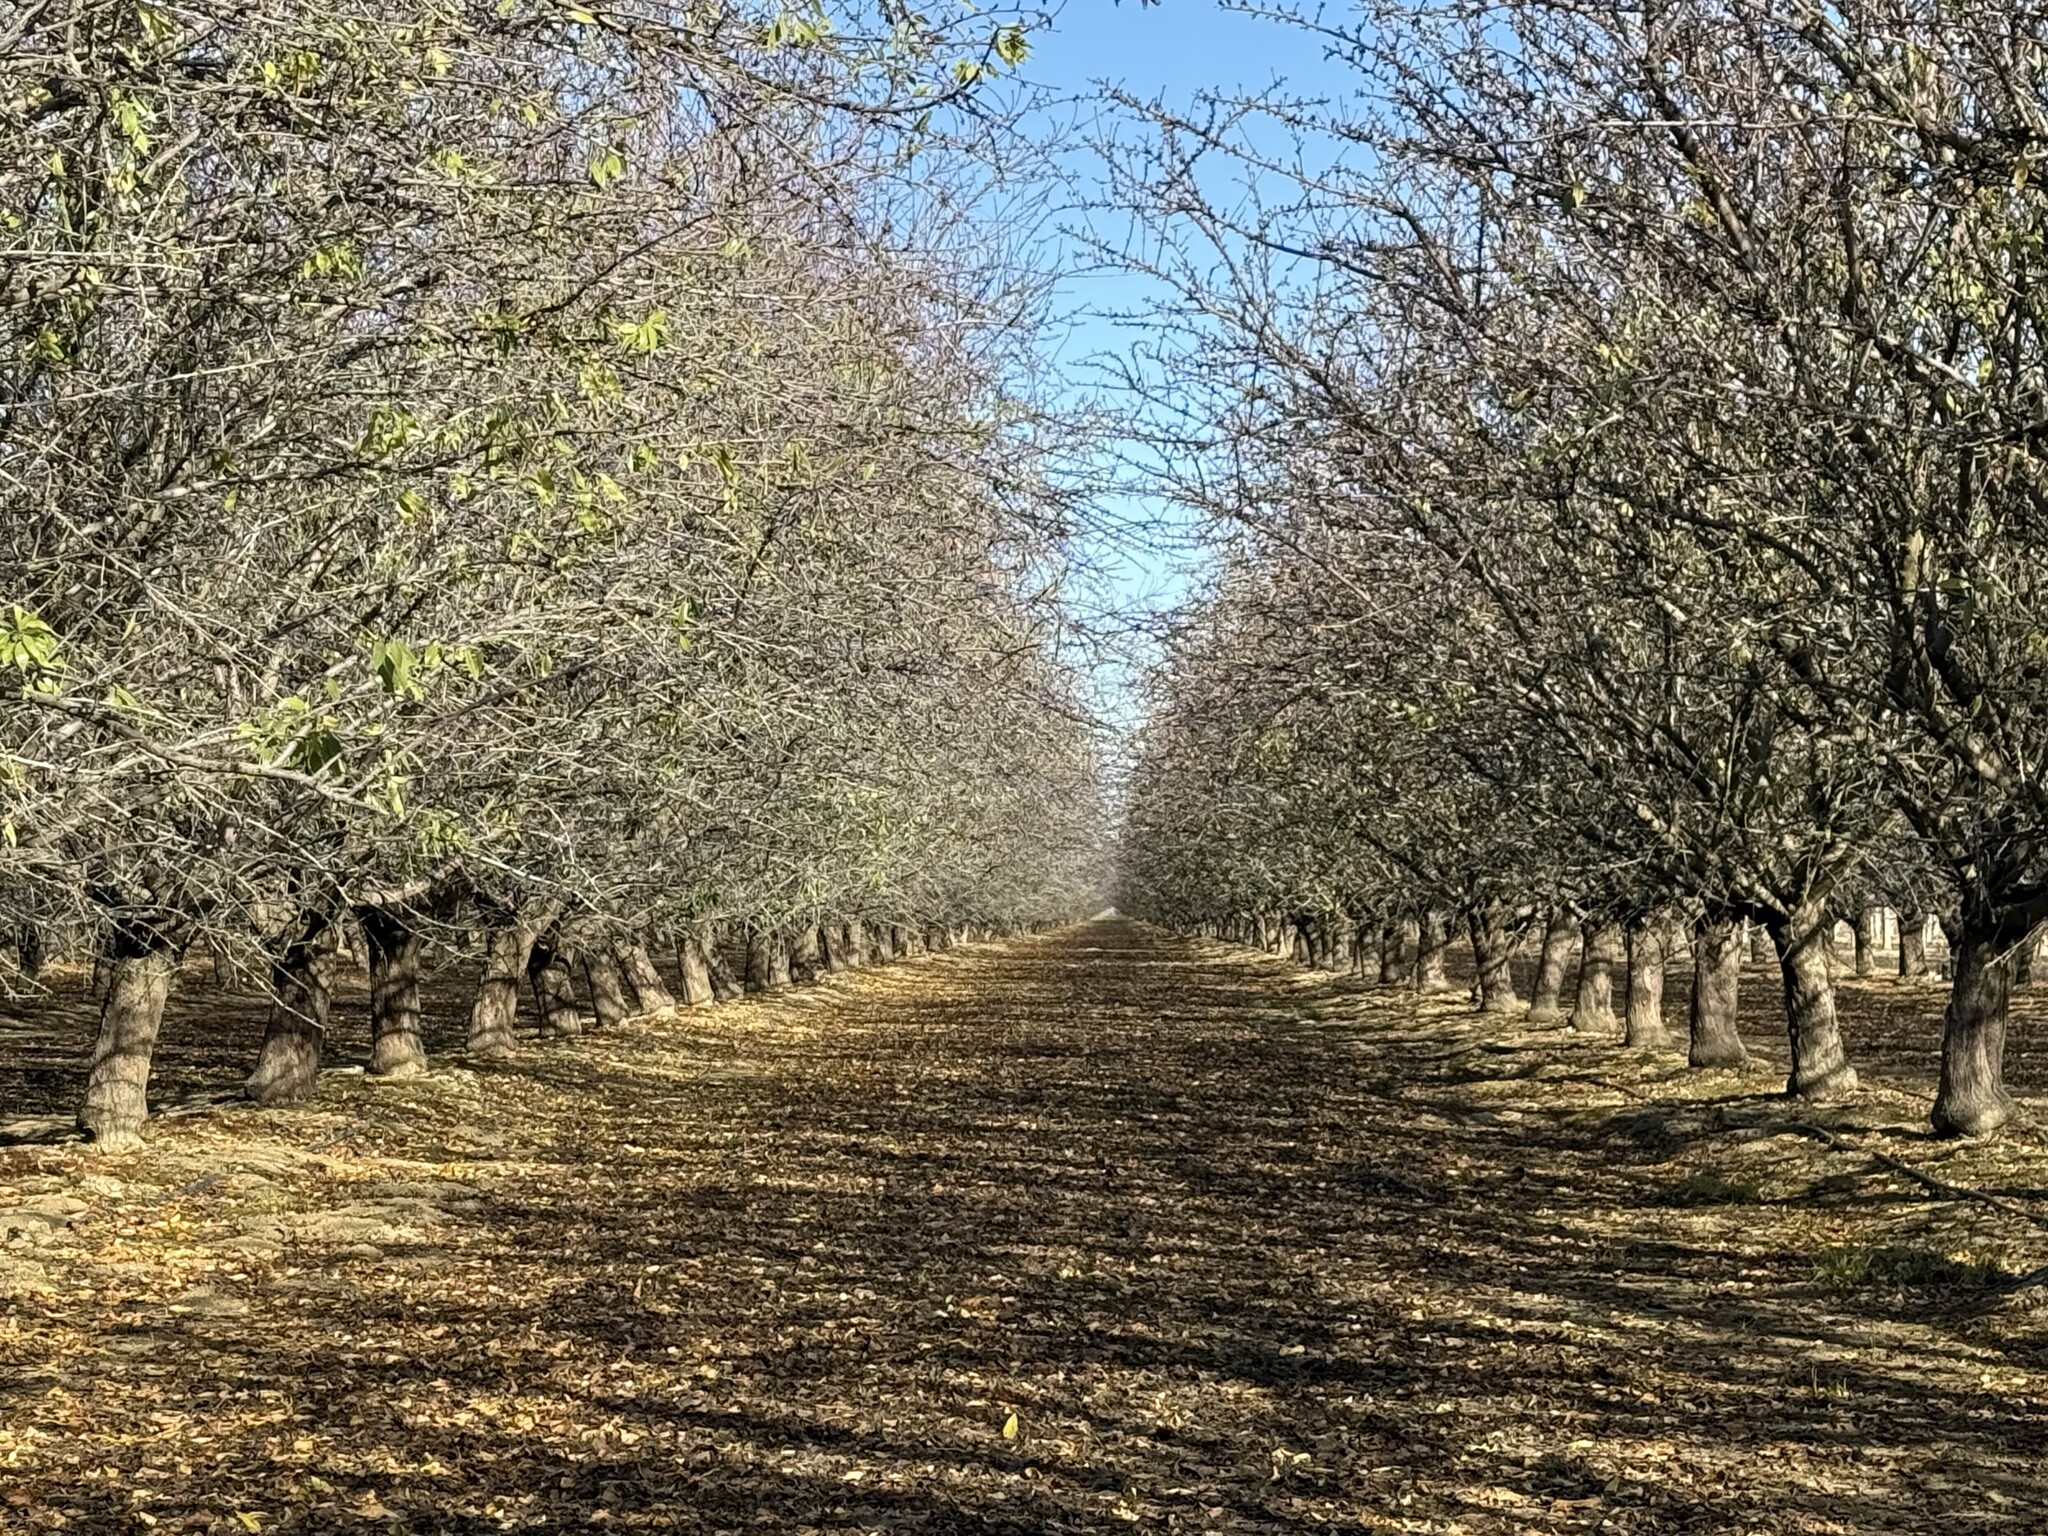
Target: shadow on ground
(1100,1230)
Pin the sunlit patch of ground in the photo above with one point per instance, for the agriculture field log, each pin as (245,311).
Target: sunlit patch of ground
(1096,1231)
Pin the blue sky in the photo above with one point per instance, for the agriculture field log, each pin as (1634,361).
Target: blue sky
(1171,51)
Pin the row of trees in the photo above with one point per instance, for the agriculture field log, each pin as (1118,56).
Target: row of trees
(554,472)
(1627,424)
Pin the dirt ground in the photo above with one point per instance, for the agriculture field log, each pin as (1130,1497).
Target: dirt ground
(1099,1230)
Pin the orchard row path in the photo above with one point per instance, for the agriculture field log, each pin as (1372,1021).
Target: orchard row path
(1096,1231)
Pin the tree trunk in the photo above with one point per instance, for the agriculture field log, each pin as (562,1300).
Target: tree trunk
(725,986)
(508,945)
(780,970)
(695,968)
(1433,940)
(856,943)
(117,1086)
(1820,1065)
(1602,947)
(301,997)
(1643,1018)
(1716,989)
(604,972)
(806,956)
(396,1049)
(28,948)
(760,960)
(1912,945)
(645,979)
(1869,938)
(1493,944)
(549,971)
(1393,973)
(1970,1099)
(833,947)
(1559,932)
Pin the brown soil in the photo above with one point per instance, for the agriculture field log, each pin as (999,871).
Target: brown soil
(1098,1230)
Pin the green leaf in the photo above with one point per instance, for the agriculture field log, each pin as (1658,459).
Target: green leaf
(643,336)
(395,662)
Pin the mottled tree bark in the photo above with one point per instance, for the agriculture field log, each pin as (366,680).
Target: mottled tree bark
(1393,960)
(1643,1015)
(1280,937)
(644,977)
(759,971)
(550,972)
(1433,940)
(1970,1098)
(604,973)
(1559,933)
(139,970)
(725,986)
(508,944)
(395,943)
(1716,992)
(1912,944)
(695,967)
(1602,948)
(1493,945)
(1820,1064)
(806,956)
(833,941)
(1869,939)
(301,1000)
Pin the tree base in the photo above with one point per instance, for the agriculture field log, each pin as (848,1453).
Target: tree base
(113,1140)
(1717,1056)
(1828,1087)
(1979,1116)
(276,1092)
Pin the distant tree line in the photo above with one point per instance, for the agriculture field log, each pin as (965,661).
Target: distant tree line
(1628,426)
(550,475)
